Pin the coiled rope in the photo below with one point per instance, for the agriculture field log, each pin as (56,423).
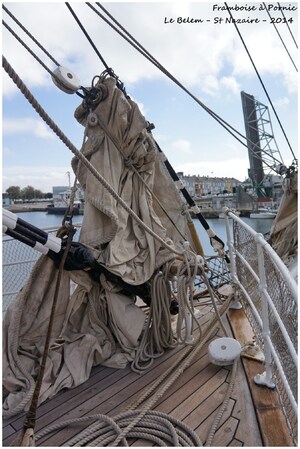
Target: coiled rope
(139,421)
(157,427)
(131,425)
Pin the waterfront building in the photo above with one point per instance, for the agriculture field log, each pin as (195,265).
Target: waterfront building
(199,186)
(6,201)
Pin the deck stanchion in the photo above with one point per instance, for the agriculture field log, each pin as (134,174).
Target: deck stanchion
(232,266)
(267,377)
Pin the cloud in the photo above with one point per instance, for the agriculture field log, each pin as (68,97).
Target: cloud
(43,177)
(281,102)
(208,59)
(27,125)
(182,146)
(7,151)
(235,168)
(231,84)
(197,54)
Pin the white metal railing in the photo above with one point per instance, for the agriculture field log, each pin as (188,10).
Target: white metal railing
(250,258)
(270,293)
(18,260)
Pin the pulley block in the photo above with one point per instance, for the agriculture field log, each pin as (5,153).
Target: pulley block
(66,80)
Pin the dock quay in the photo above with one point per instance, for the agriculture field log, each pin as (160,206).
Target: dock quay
(28,207)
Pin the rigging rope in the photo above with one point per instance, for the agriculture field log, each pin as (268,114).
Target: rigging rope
(142,421)
(134,43)
(110,71)
(30,35)
(87,36)
(30,418)
(148,56)
(279,35)
(128,162)
(16,79)
(261,81)
(281,10)
(54,76)
(28,49)
(224,405)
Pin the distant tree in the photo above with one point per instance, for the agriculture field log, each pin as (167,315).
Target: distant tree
(38,194)
(27,193)
(14,192)
(48,195)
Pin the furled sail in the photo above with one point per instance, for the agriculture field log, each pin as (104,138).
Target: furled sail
(124,152)
(284,231)
(94,321)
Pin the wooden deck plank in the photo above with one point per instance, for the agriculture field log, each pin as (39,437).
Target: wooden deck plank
(97,383)
(203,422)
(193,398)
(8,431)
(248,429)
(268,409)
(123,396)
(269,412)
(119,396)
(224,434)
(197,393)
(98,375)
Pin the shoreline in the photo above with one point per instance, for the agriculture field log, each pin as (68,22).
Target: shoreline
(38,207)
(28,207)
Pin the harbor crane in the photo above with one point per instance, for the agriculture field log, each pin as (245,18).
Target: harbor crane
(264,155)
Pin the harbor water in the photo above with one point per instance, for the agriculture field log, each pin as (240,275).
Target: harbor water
(262,225)
(14,252)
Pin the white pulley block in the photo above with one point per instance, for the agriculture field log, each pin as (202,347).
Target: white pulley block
(66,80)
(223,351)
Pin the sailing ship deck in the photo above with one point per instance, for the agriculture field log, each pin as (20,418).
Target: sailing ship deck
(194,398)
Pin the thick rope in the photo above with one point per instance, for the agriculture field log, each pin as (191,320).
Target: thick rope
(134,43)
(157,427)
(30,35)
(15,325)
(29,422)
(224,405)
(28,49)
(141,422)
(158,334)
(159,342)
(178,370)
(16,79)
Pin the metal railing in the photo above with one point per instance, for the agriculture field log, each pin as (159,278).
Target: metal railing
(18,260)
(265,288)
(268,294)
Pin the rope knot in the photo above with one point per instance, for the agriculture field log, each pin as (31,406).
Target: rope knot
(128,162)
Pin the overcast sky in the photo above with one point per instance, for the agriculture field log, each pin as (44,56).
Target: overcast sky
(204,53)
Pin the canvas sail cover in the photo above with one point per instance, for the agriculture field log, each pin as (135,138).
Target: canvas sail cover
(284,231)
(94,322)
(119,146)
